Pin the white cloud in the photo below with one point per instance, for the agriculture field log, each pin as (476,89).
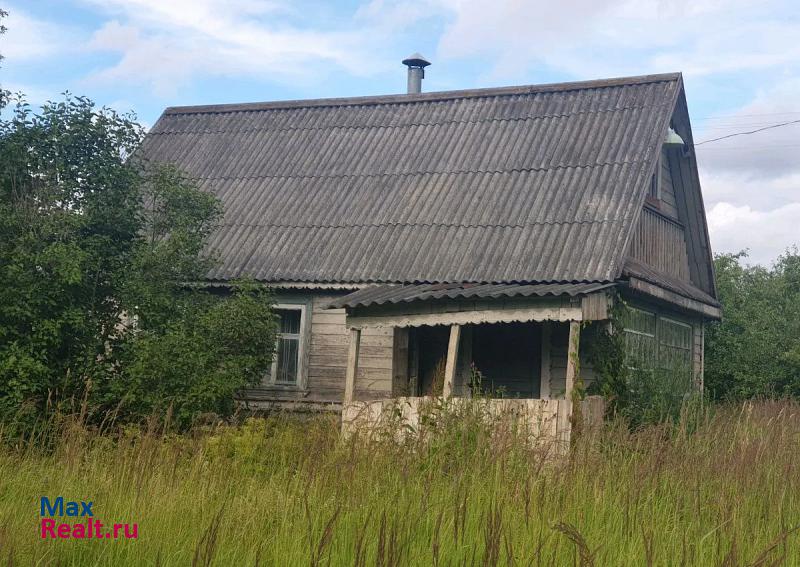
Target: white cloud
(752,182)
(166,44)
(595,38)
(766,233)
(759,192)
(29,39)
(770,153)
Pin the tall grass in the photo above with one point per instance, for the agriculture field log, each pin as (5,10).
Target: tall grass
(284,491)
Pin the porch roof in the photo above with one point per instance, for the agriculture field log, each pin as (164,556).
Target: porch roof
(395,294)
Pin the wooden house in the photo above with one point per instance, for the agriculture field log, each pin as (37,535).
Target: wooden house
(413,238)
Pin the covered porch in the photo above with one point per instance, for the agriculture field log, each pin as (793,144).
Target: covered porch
(516,347)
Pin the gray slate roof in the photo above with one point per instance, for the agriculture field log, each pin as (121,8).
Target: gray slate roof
(393,293)
(522,184)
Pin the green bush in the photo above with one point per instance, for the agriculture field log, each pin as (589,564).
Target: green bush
(98,252)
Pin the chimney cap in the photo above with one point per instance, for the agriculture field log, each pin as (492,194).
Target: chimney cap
(416,60)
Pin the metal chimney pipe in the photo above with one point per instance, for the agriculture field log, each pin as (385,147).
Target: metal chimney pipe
(416,72)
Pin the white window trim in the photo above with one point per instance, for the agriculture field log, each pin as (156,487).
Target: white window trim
(302,337)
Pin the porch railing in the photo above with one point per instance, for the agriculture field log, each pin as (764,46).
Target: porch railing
(541,421)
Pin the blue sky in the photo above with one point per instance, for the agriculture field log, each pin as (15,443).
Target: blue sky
(740,59)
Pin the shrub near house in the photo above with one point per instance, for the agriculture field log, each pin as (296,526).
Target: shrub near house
(91,237)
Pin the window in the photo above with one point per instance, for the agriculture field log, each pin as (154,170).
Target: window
(659,343)
(640,338)
(659,357)
(675,348)
(288,362)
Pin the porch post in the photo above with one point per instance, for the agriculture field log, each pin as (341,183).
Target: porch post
(352,364)
(544,372)
(572,357)
(452,361)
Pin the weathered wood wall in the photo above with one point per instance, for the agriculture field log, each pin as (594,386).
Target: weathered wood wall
(384,360)
(674,238)
(684,173)
(328,356)
(698,354)
(669,204)
(660,242)
(559,336)
(327,359)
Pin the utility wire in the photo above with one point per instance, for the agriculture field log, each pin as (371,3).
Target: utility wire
(746,133)
(727,116)
(735,126)
(749,147)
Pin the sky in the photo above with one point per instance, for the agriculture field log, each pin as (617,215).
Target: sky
(740,60)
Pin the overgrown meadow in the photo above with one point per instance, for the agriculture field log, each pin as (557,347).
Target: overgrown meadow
(723,489)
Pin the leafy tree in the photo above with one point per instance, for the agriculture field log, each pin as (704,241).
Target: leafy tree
(92,240)
(3,29)
(755,350)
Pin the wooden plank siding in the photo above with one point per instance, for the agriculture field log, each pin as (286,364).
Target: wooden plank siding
(660,243)
(668,204)
(379,365)
(559,337)
(690,202)
(328,356)
(698,355)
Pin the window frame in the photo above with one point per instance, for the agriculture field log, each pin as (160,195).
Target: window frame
(689,350)
(270,380)
(658,339)
(643,335)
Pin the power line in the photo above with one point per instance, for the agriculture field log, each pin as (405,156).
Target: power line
(725,116)
(748,148)
(749,132)
(734,125)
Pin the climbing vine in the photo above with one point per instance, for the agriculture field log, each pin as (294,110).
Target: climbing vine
(605,351)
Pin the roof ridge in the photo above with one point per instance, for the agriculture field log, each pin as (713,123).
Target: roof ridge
(426,97)
(413,124)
